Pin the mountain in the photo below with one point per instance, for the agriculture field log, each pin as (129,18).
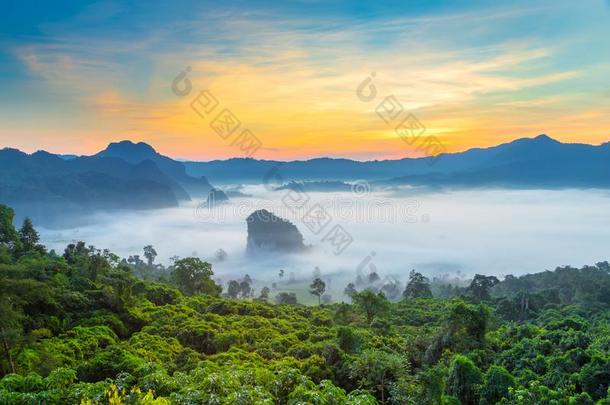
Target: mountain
(540,162)
(125,175)
(526,162)
(135,153)
(267,232)
(134,176)
(48,187)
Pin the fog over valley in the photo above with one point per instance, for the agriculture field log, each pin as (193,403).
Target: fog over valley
(454,233)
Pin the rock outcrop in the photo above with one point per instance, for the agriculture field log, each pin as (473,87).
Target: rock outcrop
(267,232)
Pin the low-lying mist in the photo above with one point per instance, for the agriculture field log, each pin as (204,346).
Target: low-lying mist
(453,234)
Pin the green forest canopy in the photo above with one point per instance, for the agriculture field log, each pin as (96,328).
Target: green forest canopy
(88,327)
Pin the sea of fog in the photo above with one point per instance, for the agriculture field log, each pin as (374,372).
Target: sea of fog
(457,233)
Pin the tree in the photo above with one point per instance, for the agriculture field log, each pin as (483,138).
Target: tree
(433,381)
(220,255)
(10,331)
(29,238)
(135,261)
(78,255)
(348,340)
(594,376)
(378,370)
(286,298)
(8,235)
(317,288)
(468,323)
(150,254)
(481,285)
(233,289)
(121,282)
(244,288)
(350,290)
(370,303)
(343,314)
(464,329)
(447,290)
(418,286)
(281,274)
(193,276)
(497,383)
(464,380)
(265,293)
(391,289)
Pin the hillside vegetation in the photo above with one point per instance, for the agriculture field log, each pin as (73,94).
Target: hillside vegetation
(86,327)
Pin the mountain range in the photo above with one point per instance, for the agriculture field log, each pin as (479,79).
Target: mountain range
(131,175)
(135,153)
(526,162)
(125,175)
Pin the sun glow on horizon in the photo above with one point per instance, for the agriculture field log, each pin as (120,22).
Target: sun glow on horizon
(292,80)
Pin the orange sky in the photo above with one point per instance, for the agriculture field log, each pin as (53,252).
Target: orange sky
(294,83)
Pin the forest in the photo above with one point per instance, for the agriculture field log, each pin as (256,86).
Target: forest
(84,326)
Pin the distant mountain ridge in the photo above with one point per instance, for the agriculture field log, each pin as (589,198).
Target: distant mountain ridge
(45,186)
(529,162)
(123,176)
(526,162)
(138,152)
(135,176)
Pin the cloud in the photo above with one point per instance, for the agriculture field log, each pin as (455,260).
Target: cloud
(487,232)
(292,80)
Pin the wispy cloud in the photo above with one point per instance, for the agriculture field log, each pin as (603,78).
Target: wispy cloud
(292,79)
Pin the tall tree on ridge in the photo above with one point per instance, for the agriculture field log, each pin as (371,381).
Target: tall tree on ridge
(317,288)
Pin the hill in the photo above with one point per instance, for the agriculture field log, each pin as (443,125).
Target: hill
(81,328)
(55,188)
(527,162)
(136,153)
(44,185)
(267,232)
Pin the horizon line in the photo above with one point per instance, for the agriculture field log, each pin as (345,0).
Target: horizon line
(183,160)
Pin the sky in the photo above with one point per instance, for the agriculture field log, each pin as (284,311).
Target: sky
(77,75)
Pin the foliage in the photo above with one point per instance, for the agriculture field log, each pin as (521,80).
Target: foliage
(87,327)
(317,288)
(497,385)
(286,298)
(417,287)
(194,277)
(464,380)
(370,303)
(378,370)
(481,285)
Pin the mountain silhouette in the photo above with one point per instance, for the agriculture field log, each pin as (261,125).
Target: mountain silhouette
(539,162)
(132,175)
(135,153)
(45,186)
(527,162)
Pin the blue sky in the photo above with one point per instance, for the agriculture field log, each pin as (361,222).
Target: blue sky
(77,75)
